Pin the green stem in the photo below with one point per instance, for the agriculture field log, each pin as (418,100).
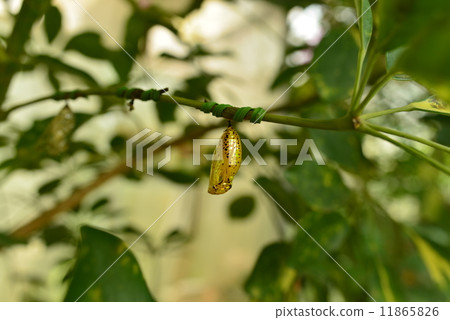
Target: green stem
(410,137)
(333,124)
(385,112)
(373,91)
(356,87)
(367,129)
(358,91)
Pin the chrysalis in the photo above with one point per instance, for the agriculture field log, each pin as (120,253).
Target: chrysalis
(58,131)
(226,161)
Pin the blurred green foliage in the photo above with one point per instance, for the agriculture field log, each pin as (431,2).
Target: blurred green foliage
(393,260)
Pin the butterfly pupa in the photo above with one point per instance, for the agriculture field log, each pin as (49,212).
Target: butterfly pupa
(226,161)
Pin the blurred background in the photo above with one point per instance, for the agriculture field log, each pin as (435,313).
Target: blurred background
(381,213)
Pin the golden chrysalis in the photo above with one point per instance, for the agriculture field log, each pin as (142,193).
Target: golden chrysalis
(226,161)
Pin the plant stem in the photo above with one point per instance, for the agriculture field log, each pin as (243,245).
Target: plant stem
(385,112)
(358,91)
(356,87)
(44,218)
(367,129)
(410,137)
(373,91)
(331,124)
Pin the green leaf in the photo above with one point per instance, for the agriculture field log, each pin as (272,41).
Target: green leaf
(288,4)
(329,230)
(197,87)
(57,234)
(96,253)
(7,240)
(438,265)
(100,203)
(271,278)
(178,176)
(49,186)
(334,71)
(52,23)
(403,21)
(285,195)
(53,80)
(432,104)
(392,58)
(4,141)
(285,76)
(427,59)
(118,143)
(166,111)
(320,186)
(175,238)
(365,23)
(241,207)
(88,44)
(343,147)
(55,65)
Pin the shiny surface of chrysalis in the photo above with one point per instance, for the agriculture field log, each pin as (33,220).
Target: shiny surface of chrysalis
(59,129)
(226,161)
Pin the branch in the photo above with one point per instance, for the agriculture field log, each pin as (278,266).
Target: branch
(73,200)
(367,129)
(406,108)
(410,137)
(373,91)
(343,123)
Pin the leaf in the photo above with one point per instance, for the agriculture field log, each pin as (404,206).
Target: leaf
(427,59)
(285,76)
(241,207)
(392,58)
(7,240)
(88,44)
(118,143)
(403,21)
(53,80)
(3,141)
(364,11)
(57,234)
(438,266)
(100,203)
(55,65)
(166,111)
(288,4)
(284,194)
(342,147)
(197,87)
(329,230)
(96,253)
(334,71)
(175,238)
(320,186)
(432,104)
(178,176)
(49,186)
(52,23)
(271,278)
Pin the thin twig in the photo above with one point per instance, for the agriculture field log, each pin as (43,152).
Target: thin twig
(410,137)
(367,129)
(44,218)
